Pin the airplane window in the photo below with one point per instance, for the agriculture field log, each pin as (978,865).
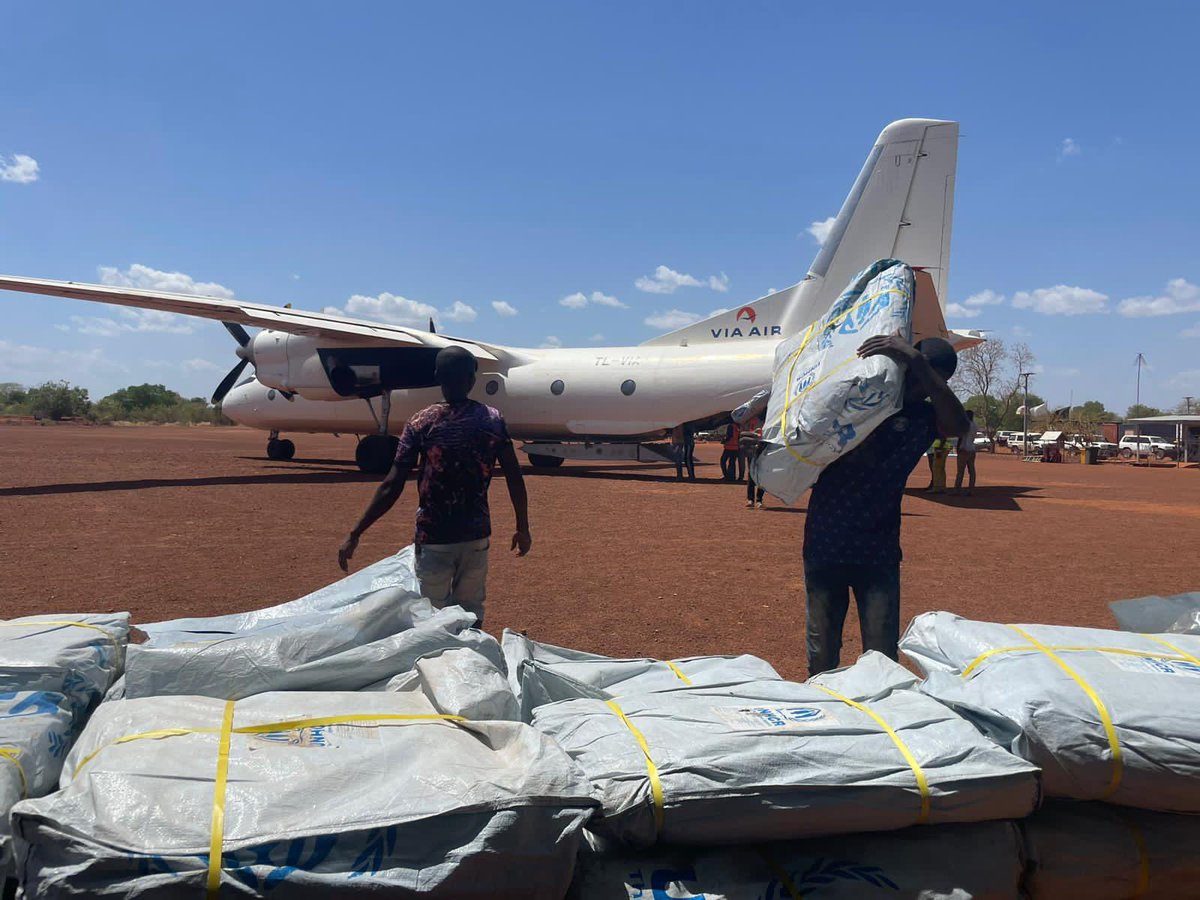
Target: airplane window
(271,394)
(246,380)
(558,387)
(628,386)
(492,386)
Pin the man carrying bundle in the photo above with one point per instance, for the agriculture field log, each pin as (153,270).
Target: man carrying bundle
(852,531)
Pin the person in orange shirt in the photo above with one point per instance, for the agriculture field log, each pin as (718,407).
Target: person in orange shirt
(733,466)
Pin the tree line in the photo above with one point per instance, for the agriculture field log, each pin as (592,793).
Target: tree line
(151,403)
(989,376)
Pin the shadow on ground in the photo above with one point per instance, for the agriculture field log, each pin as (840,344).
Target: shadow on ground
(1001,497)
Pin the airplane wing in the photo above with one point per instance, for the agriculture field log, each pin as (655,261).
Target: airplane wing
(276,318)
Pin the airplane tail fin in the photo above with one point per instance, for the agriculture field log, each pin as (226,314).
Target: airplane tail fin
(900,207)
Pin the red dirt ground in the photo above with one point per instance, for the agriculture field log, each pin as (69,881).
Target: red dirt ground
(168,521)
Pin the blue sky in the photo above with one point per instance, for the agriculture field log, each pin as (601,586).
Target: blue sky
(392,159)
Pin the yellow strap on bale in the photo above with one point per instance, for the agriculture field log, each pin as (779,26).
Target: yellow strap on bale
(1110,731)
(781,874)
(656,790)
(1143,852)
(678,672)
(63,623)
(14,757)
(918,772)
(216,838)
(1177,656)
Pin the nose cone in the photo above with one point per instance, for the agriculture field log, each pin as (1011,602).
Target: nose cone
(243,403)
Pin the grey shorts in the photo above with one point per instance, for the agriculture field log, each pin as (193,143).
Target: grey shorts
(455,574)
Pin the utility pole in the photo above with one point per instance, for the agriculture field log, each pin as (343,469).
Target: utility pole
(1188,401)
(1025,427)
(1137,401)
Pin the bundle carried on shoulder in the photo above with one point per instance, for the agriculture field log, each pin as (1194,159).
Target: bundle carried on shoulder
(980,861)
(1107,715)
(825,400)
(299,794)
(854,750)
(543,673)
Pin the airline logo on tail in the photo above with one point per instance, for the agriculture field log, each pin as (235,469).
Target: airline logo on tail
(748,315)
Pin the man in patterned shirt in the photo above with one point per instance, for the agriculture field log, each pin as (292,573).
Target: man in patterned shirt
(852,530)
(459,442)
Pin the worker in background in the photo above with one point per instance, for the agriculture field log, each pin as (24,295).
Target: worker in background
(966,455)
(937,466)
(683,448)
(852,530)
(459,442)
(732,464)
(751,443)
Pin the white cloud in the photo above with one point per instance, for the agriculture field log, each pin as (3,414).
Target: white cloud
(295,277)
(597,338)
(672,319)
(143,321)
(550,343)
(1181,297)
(460,312)
(390,308)
(1061,300)
(973,305)
(33,365)
(396,310)
(148,279)
(820,230)
(579,300)
(200,365)
(1069,148)
(1188,332)
(18,168)
(666,280)
(503,308)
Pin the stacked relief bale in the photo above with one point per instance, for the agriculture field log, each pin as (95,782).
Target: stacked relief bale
(53,672)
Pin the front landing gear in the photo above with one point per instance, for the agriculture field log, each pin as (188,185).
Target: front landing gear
(279,449)
(375,453)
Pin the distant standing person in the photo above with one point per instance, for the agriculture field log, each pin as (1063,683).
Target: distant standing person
(966,455)
(852,531)
(459,442)
(683,443)
(751,438)
(732,464)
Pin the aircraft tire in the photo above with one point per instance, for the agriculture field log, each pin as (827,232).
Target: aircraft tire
(280,449)
(540,461)
(375,453)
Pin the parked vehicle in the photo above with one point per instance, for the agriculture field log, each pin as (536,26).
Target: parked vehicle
(984,444)
(1147,445)
(1017,440)
(1107,449)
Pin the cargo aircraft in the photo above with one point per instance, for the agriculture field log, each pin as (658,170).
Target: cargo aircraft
(314,372)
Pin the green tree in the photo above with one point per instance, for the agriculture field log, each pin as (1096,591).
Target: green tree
(58,400)
(12,397)
(138,397)
(1095,411)
(1142,411)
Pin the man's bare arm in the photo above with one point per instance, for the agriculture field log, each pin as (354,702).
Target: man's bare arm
(521,541)
(948,410)
(385,498)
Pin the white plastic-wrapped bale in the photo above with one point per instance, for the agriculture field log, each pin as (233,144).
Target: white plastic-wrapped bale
(35,733)
(358,631)
(825,400)
(303,795)
(975,861)
(1106,852)
(858,749)
(76,655)
(1107,715)
(543,673)
(463,682)
(1176,614)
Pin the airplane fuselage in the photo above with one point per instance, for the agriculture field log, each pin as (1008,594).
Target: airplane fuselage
(555,394)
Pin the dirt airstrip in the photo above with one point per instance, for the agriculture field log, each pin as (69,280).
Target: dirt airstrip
(168,521)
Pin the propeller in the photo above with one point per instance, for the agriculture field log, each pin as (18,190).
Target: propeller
(243,338)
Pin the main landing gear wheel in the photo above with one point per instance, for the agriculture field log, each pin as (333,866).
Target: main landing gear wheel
(375,453)
(539,461)
(280,449)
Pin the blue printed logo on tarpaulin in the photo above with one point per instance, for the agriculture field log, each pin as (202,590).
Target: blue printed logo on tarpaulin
(825,872)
